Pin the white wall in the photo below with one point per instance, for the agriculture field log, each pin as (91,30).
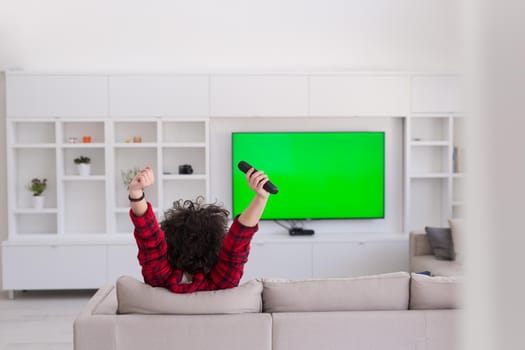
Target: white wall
(232,35)
(220,162)
(228,35)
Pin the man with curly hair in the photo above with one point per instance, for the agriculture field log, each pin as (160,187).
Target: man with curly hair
(193,249)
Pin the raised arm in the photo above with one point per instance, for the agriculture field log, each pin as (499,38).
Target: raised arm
(136,187)
(252,214)
(150,240)
(236,245)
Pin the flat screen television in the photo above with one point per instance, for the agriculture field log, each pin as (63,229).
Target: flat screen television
(320,175)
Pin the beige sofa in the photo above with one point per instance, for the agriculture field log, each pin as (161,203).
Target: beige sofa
(422,259)
(392,311)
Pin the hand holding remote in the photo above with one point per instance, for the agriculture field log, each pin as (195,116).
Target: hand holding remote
(270,187)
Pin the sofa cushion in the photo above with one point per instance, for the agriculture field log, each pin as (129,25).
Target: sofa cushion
(457,231)
(440,239)
(108,303)
(135,297)
(438,292)
(377,292)
(435,266)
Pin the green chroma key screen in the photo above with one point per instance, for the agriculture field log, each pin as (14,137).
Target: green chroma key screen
(320,175)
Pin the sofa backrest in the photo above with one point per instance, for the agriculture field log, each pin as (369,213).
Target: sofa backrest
(438,292)
(135,297)
(377,292)
(419,244)
(392,291)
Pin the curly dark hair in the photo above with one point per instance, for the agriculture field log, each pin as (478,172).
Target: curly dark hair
(194,233)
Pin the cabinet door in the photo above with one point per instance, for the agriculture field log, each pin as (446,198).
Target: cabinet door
(355,95)
(279,260)
(386,256)
(337,260)
(269,96)
(53,267)
(57,96)
(122,260)
(435,94)
(166,95)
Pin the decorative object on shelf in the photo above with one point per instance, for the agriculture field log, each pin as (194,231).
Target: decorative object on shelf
(128,175)
(38,187)
(137,139)
(83,165)
(72,140)
(185,169)
(86,139)
(457,160)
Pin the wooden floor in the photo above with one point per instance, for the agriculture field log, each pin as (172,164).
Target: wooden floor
(40,320)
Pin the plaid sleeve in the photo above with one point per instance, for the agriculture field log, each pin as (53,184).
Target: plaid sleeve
(233,255)
(152,248)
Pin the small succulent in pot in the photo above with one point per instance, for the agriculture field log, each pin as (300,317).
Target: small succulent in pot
(83,165)
(37,186)
(82,160)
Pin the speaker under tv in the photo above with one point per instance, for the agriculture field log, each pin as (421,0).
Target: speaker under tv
(320,175)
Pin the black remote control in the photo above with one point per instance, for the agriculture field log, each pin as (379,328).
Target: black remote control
(270,187)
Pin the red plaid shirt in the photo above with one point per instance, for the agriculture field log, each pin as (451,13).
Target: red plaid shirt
(158,272)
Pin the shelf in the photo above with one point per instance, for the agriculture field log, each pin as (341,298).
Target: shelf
(33,132)
(429,160)
(185,177)
(84,178)
(83,145)
(429,176)
(429,143)
(458,204)
(36,211)
(126,131)
(86,233)
(33,238)
(36,222)
(136,145)
(34,145)
(434,115)
(78,129)
(458,175)
(184,145)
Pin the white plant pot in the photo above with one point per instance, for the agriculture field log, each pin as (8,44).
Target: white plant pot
(38,202)
(84,169)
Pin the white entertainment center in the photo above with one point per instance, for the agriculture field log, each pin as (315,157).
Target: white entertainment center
(82,238)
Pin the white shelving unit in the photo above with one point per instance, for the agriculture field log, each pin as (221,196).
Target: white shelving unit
(434,130)
(82,237)
(96,205)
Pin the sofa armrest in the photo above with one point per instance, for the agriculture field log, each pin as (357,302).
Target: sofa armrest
(92,331)
(419,244)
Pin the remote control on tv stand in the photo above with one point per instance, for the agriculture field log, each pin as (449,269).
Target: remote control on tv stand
(296,231)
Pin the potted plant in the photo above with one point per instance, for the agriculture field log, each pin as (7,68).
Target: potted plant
(37,187)
(128,175)
(83,165)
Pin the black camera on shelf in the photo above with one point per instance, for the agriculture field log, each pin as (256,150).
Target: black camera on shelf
(185,169)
